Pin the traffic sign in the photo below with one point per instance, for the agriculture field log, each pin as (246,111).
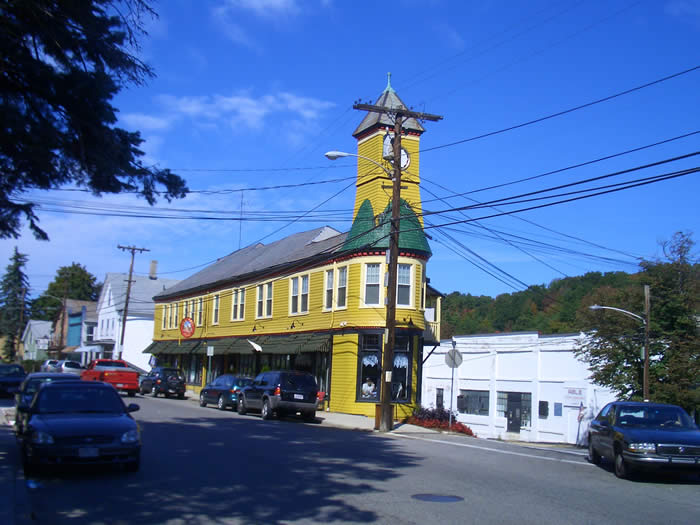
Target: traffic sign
(453,358)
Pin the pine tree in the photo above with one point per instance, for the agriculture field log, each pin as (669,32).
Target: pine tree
(14,307)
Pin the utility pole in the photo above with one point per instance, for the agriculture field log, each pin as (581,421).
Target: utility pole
(133,250)
(19,327)
(386,422)
(647,319)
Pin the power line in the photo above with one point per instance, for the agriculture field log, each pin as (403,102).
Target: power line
(564,112)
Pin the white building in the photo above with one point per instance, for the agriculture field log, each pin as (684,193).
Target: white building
(35,339)
(138,331)
(516,386)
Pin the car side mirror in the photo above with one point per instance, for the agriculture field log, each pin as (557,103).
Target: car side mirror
(133,407)
(604,423)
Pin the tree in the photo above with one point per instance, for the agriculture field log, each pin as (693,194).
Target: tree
(62,62)
(71,282)
(614,350)
(13,303)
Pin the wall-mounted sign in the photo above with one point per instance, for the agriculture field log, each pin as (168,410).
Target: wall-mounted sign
(187,327)
(574,396)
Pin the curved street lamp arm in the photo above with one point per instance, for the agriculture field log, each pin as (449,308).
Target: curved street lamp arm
(333,155)
(630,314)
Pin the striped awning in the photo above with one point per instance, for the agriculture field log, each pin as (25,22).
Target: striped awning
(171,347)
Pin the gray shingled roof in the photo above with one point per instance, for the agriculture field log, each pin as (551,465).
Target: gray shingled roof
(388,99)
(259,259)
(143,288)
(39,328)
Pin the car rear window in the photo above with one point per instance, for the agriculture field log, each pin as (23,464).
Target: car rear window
(82,399)
(71,364)
(242,381)
(11,370)
(33,385)
(298,381)
(112,364)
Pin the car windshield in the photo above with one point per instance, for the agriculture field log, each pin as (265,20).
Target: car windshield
(167,372)
(33,384)
(298,381)
(11,370)
(242,381)
(81,399)
(654,417)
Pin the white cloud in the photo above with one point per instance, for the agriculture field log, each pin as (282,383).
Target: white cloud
(263,8)
(143,122)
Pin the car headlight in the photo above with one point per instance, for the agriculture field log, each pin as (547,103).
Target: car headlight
(42,438)
(132,436)
(642,447)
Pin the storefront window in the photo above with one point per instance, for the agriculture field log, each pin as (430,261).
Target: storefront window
(401,374)
(369,367)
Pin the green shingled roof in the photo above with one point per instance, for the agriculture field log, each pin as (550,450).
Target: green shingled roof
(363,233)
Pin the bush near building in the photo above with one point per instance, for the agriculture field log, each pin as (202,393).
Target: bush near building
(439,419)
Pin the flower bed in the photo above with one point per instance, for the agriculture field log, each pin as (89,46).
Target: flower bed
(438,419)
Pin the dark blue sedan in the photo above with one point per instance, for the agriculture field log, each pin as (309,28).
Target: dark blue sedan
(28,388)
(79,423)
(223,391)
(644,436)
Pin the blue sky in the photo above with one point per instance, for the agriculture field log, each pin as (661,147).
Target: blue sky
(250,94)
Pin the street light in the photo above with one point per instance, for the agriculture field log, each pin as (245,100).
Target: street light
(645,321)
(386,422)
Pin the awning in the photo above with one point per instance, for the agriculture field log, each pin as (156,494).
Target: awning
(88,349)
(171,347)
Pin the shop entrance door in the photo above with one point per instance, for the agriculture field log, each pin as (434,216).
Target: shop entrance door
(514,412)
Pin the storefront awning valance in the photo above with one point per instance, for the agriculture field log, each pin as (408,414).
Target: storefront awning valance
(270,344)
(171,347)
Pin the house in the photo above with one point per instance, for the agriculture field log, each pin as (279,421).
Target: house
(73,326)
(516,386)
(35,340)
(315,300)
(138,329)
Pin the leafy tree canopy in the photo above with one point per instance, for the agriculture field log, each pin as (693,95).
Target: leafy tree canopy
(615,350)
(62,63)
(71,282)
(13,302)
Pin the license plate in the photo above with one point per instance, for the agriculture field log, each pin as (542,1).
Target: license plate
(298,396)
(120,384)
(88,452)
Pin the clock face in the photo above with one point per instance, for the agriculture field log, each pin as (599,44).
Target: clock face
(388,151)
(405,159)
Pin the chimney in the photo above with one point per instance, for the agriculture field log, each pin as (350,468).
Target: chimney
(152,273)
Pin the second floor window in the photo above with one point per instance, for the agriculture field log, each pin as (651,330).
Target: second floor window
(163,325)
(372,284)
(215,310)
(199,311)
(170,316)
(328,304)
(237,304)
(264,300)
(175,315)
(299,294)
(403,285)
(341,301)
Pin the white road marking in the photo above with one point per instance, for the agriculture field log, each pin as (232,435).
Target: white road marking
(465,445)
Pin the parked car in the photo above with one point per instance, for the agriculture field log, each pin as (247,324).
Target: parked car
(116,372)
(644,436)
(279,393)
(29,387)
(224,391)
(163,380)
(48,366)
(68,367)
(79,422)
(11,376)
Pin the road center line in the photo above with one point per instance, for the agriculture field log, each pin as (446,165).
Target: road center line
(442,442)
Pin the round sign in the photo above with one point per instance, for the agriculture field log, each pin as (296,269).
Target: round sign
(187,327)
(453,358)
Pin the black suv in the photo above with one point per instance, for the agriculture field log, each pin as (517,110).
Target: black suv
(281,392)
(164,380)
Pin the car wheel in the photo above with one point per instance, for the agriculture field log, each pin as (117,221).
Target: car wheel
(622,469)
(202,401)
(309,416)
(181,396)
(266,412)
(131,393)
(593,455)
(220,404)
(154,391)
(241,406)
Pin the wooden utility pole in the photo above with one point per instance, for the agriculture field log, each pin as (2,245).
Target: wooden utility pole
(18,340)
(386,422)
(133,250)
(647,319)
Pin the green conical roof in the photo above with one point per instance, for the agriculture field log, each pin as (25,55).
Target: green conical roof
(364,234)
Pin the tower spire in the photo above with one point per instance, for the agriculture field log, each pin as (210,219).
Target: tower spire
(388,84)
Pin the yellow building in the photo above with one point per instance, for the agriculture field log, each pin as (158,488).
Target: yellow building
(315,300)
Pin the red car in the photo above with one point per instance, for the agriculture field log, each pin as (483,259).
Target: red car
(116,372)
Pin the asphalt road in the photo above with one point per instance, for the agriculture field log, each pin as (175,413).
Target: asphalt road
(204,466)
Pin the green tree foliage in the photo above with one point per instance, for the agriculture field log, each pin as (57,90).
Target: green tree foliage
(71,282)
(548,309)
(62,63)
(14,307)
(614,352)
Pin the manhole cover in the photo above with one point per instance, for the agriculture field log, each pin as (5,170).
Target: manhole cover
(437,498)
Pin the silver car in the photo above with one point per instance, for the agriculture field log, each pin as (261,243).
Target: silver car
(49,365)
(69,367)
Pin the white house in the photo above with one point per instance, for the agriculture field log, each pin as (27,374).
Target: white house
(138,331)
(35,339)
(516,386)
